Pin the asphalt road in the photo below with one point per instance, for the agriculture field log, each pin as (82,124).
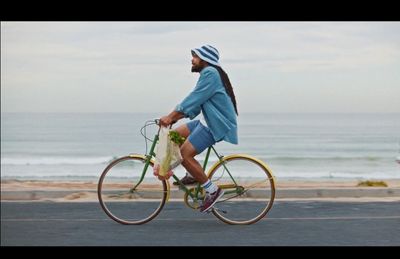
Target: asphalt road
(289,223)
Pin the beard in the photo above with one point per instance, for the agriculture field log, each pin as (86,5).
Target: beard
(197,68)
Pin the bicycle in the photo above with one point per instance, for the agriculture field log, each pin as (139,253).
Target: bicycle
(129,196)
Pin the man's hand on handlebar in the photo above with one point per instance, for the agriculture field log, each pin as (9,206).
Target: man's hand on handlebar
(165,121)
(171,118)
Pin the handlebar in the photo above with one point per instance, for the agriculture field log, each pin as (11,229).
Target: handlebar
(148,123)
(157,121)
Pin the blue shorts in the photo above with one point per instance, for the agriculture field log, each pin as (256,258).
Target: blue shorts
(200,136)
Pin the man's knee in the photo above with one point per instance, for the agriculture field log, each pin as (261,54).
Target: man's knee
(183,130)
(187,156)
(188,152)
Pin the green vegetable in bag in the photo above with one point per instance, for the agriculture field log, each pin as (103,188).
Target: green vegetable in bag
(176,137)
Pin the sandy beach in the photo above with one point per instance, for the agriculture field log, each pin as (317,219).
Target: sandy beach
(86,190)
(22,185)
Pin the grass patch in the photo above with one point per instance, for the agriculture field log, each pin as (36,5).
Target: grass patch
(372,184)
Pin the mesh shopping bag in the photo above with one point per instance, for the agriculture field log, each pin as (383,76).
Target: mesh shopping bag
(168,154)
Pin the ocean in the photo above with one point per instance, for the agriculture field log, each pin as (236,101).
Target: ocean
(75,146)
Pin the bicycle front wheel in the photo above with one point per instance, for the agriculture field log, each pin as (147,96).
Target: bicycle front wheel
(249,189)
(127,194)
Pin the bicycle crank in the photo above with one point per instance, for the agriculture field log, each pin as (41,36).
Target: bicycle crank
(194,203)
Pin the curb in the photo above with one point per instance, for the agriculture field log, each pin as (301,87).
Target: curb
(280,193)
(338,193)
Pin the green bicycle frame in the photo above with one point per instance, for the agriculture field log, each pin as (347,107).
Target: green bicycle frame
(198,188)
(148,159)
(152,154)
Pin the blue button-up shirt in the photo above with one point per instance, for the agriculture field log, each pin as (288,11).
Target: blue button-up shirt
(210,97)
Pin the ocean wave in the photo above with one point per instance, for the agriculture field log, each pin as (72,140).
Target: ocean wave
(330,158)
(335,174)
(212,159)
(56,160)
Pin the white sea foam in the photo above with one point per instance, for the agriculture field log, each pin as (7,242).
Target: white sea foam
(293,145)
(55,160)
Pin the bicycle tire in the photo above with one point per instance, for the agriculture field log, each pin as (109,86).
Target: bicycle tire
(117,197)
(233,208)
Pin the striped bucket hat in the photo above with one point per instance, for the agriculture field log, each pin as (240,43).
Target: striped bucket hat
(207,53)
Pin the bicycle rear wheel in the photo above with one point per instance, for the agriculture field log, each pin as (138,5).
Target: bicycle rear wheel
(249,189)
(125,197)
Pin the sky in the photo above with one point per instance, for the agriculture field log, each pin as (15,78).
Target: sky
(276,67)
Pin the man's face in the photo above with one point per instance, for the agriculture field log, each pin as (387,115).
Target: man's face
(197,63)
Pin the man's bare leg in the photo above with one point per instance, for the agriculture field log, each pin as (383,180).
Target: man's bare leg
(188,153)
(191,165)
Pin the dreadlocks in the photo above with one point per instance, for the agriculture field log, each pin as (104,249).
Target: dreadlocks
(227,85)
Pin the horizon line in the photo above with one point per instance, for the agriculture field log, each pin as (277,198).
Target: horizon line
(129,112)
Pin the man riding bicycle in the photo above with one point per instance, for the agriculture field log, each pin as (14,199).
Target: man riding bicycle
(213,96)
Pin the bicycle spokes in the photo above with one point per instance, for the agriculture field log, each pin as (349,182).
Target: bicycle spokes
(249,190)
(127,195)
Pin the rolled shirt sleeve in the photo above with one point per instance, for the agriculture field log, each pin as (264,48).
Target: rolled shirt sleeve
(204,90)
(209,97)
